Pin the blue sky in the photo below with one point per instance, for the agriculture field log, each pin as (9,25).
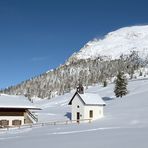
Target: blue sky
(38,35)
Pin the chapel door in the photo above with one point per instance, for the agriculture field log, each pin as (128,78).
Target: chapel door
(78,116)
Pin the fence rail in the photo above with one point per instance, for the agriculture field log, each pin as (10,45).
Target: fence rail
(40,124)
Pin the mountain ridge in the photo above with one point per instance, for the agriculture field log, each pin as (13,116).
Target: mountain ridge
(114,44)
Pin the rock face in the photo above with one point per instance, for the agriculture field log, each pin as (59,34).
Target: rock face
(122,41)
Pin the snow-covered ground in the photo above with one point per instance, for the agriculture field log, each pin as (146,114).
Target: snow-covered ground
(125,124)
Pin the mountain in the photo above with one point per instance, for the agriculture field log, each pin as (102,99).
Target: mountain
(98,61)
(116,43)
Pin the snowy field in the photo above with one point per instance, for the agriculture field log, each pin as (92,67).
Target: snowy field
(125,124)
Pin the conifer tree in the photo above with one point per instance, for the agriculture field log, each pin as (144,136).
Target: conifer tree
(140,73)
(120,85)
(104,83)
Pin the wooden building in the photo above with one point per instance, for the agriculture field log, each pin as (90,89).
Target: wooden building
(15,111)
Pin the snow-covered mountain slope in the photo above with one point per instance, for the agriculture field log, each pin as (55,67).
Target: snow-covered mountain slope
(99,66)
(125,123)
(115,43)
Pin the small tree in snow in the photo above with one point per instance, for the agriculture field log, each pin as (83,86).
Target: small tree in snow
(140,74)
(104,83)
(120,85)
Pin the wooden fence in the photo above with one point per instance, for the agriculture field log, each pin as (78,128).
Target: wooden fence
(40,124)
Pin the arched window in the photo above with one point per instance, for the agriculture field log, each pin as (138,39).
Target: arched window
(91,114)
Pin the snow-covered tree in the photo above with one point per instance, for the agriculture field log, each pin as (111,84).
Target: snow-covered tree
(120,85)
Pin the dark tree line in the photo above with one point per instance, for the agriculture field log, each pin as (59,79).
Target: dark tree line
(66,77)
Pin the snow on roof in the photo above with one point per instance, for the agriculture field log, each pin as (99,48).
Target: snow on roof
(12,101)
(89,99)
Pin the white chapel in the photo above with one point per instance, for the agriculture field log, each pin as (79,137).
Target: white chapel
(86,105)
